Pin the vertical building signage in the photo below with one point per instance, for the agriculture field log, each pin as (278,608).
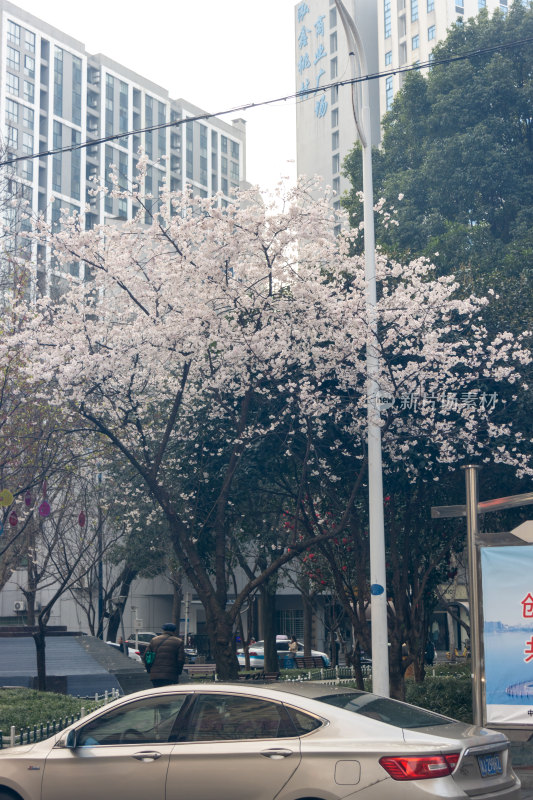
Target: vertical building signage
(507,581)
(311,58)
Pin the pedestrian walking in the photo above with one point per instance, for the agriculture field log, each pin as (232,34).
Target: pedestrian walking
(165,656)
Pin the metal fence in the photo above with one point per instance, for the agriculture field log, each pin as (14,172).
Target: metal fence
(329,674)
(42,730)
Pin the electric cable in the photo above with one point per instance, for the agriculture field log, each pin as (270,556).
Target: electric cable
(299,95)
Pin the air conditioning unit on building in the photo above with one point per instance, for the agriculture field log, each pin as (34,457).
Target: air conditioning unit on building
(19,606)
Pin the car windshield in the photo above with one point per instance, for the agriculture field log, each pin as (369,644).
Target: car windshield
(392,712)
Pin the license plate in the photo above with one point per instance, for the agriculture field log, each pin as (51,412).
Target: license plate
(489,765)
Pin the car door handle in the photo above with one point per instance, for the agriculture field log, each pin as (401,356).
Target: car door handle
(147,755)
(276,753)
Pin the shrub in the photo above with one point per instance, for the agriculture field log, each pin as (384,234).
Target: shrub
(451,696)
(26,707)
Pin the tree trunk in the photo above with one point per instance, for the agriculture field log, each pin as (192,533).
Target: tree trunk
(40,648)
(115,617)
(396,671)
(268,614)
(220,631)
(308,624)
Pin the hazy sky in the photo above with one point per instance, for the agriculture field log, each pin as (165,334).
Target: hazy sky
(217,54)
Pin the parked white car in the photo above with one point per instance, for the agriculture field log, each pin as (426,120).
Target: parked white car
(132,653)
(257,654)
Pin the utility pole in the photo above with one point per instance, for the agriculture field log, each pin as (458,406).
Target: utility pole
(378,581)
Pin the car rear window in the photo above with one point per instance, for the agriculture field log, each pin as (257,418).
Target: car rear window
(383,709)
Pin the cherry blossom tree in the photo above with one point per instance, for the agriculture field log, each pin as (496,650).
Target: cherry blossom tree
(216,339)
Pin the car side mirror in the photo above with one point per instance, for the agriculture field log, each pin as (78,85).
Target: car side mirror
(71,740)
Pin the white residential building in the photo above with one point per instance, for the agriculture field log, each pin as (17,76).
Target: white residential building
(54,94)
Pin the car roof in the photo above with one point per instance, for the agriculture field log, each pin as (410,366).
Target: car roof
(309,689)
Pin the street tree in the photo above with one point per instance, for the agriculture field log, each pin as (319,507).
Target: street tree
(213,334)
(455,166)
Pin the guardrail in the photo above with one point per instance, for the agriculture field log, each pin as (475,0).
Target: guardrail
(42,730)
(333,674)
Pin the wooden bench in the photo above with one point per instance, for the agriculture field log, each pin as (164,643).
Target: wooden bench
(309,662)
(200,669)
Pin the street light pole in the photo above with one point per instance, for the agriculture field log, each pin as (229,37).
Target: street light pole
(378,581)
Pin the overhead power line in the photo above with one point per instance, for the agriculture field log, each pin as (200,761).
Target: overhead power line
(299,95)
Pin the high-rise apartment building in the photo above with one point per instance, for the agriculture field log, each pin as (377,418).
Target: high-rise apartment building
(56,95)
(325,124)
(395,33)
(408,30)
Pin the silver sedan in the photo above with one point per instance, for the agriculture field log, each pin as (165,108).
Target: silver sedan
(303,741)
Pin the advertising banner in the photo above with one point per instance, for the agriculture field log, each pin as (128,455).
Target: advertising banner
(507,590)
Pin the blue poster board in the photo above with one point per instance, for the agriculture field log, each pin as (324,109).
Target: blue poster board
(507,589)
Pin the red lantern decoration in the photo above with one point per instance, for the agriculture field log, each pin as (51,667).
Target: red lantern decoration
(13,519)
(81,520)
(27,499)
(44,509)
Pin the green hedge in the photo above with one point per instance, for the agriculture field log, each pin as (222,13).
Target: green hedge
(451,696)
(26,707)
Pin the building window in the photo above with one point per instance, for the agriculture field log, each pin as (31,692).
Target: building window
(334,117)
(27,169)
(224,165)
(27,115)
(12,111)
(13,58)
(333,42)
(235,150)
(58,82)
(12,84)
(388,58)
(336,163)
(76,90)
(12,137)
(402,52)
(13,33)
(234,171)
(334,95)
(432,32)
(224,184)
(56,158)
(335,140)
(503,6)
(224,144)
(402,27)
(27,144)
(333,67)
(29,67)
(414,10)
(388,93)
(336,185)
(30,41)
(481,3)
(387,18)
(431,5)
(459,6)
(29,91)
(415,42)
(332,17)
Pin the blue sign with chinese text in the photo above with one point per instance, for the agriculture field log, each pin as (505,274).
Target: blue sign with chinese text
(507,581)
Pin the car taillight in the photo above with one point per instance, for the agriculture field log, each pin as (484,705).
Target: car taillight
(252,653)
(417,768)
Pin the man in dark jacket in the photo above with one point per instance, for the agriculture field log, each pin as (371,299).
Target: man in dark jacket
(169,656)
